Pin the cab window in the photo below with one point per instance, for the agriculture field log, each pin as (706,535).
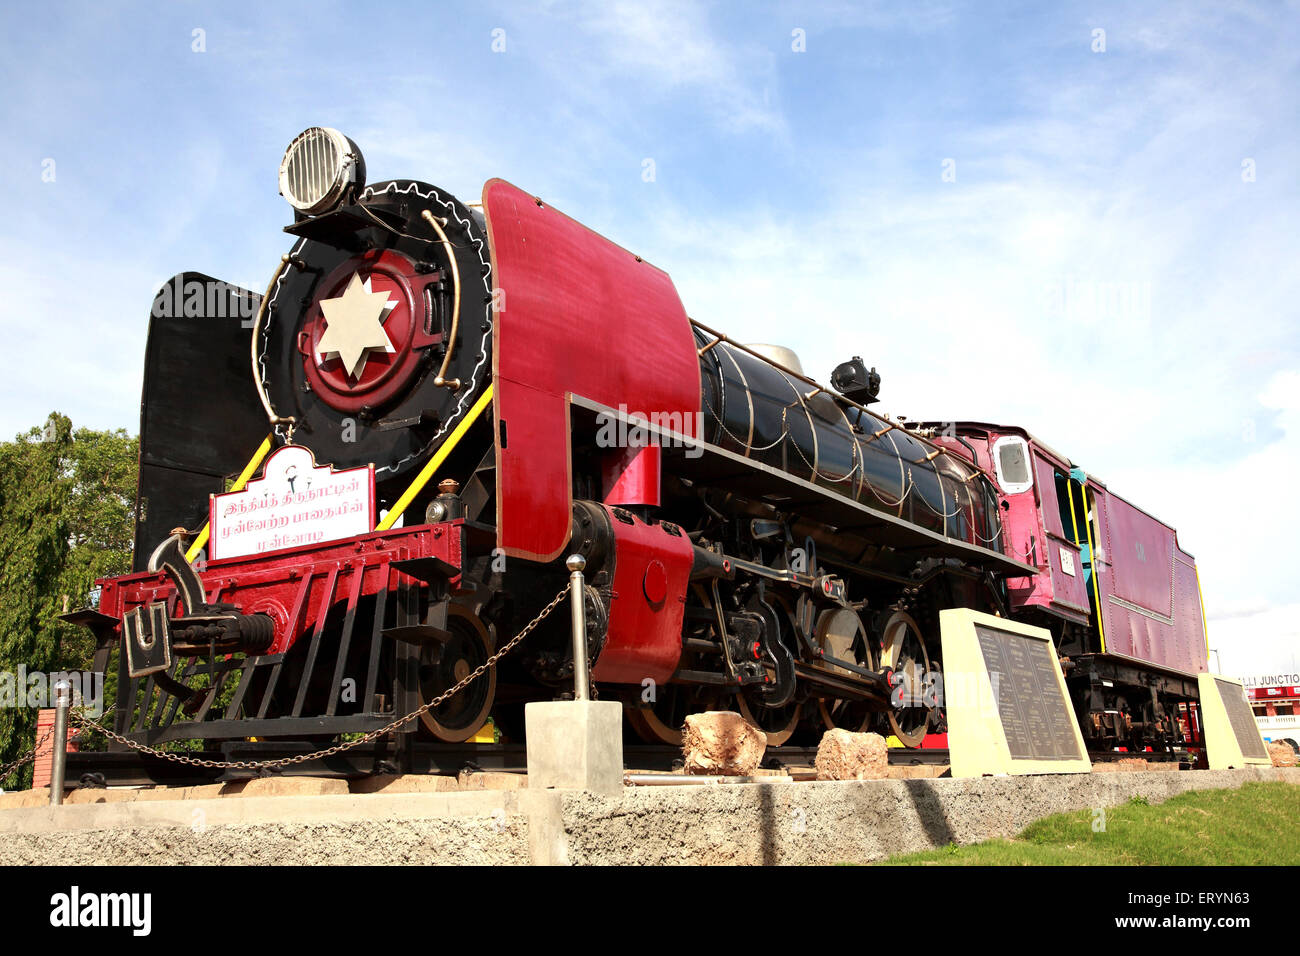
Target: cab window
(1011,459)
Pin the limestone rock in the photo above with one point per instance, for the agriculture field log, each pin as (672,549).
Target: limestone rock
(722,742)
(1282,754)
(844,755)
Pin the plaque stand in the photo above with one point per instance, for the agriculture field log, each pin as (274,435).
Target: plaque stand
(1008,708)
(1232,738)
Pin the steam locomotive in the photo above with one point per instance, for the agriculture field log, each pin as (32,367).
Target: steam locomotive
(515,388)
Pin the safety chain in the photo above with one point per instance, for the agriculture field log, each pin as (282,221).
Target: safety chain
(347,745)
(31,754)
(28,757)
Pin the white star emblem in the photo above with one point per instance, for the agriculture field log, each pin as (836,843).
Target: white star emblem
(354,325)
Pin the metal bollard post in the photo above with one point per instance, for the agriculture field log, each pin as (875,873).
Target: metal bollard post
(578,607)
(62,703)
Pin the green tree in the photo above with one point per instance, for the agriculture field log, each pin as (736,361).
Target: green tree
(100,516)
(66,502)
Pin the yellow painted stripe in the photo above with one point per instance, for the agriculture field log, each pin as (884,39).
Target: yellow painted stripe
(1205,626)
(1074,521)
(435,462)
(244,477)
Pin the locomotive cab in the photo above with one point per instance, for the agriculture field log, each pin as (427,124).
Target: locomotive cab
(1111,583)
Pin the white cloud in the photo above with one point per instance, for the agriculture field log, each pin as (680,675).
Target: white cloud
(661,52)
(1236,516)
(1136,315)
(1264,643)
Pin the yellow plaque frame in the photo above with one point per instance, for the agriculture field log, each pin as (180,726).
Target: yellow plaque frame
(977,741)
(1221,746)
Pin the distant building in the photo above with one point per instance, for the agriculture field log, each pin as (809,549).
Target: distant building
(1275,699)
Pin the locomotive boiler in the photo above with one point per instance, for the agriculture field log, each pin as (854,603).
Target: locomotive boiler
(519,388)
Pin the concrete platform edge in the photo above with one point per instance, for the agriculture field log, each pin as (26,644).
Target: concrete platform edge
(753,823)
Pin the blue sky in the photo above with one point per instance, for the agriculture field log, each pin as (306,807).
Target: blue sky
(1098,264)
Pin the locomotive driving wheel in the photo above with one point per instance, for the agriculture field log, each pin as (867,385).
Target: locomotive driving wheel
(840,633)
(778,723)
(905,651)
(443,666)
(773,707)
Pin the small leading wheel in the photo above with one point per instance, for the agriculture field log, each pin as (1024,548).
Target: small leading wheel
(905,652)
(443,666)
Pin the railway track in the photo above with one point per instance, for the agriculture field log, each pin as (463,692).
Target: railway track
(132,769)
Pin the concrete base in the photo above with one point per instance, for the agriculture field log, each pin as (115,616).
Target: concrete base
(575,745)
(737,823)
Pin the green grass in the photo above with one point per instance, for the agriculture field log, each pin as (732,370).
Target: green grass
(1252,825)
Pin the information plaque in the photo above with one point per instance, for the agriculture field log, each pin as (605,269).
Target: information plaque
(294,503)
(1008,708)
(1232,738)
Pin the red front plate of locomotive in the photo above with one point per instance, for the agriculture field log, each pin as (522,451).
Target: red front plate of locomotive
(296,587)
